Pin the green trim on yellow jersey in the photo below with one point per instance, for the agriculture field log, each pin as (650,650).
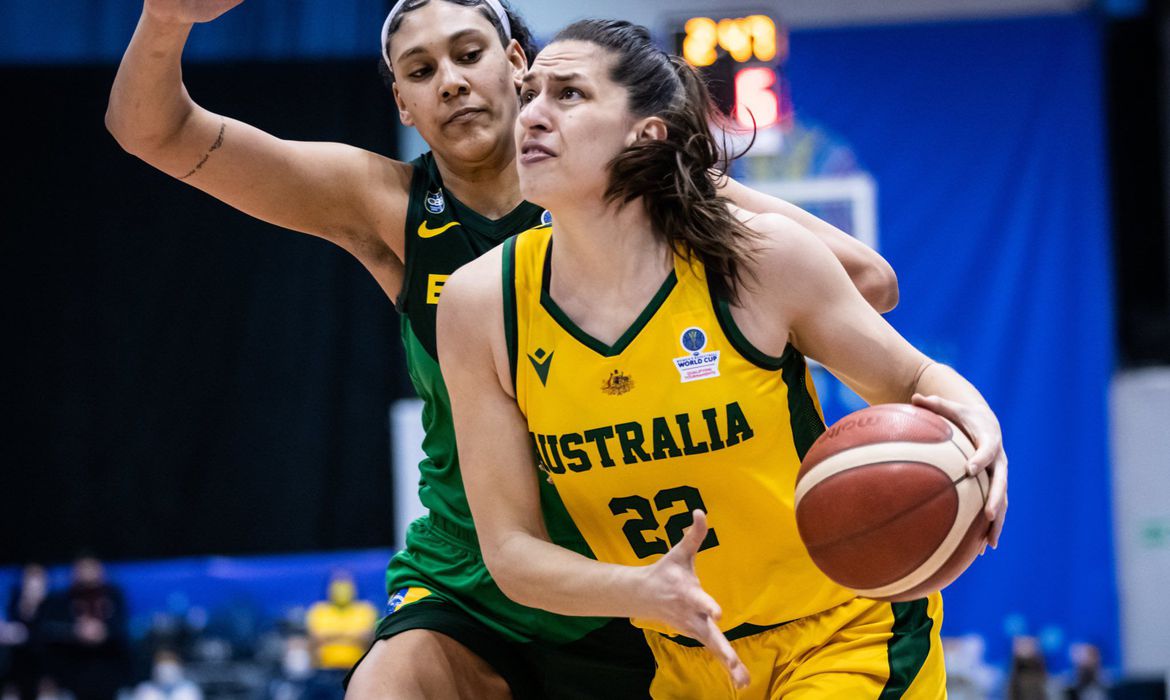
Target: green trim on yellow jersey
(510,304)
(908,647)
(737,338)
(589,341)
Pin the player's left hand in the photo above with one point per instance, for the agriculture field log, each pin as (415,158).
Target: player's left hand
(982,427)
(671,593)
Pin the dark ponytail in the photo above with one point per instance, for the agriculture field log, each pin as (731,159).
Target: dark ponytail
(674,177)
(520,31)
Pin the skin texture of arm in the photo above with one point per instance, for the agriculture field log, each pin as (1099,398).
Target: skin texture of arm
(346,195)
(870,273)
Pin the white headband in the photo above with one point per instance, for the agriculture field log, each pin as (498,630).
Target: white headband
(495,6)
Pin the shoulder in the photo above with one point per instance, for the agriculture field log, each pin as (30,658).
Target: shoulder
(472,302)
(476,285)
(784,251)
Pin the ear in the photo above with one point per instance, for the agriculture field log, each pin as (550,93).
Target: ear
(518,60)
(403,112)
(648,129)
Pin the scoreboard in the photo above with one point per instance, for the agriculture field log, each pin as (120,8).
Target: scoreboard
(739,57)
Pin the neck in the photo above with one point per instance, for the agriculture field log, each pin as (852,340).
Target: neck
(491,187)
(607,251)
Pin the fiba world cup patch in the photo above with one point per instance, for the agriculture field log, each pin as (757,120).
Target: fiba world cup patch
(696,364)
(435,203)
(546,217)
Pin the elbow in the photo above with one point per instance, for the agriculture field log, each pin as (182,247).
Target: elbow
(135,136)
(879,285)
(122,131)
(506,576)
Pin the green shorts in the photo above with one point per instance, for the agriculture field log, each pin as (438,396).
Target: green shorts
(439,583)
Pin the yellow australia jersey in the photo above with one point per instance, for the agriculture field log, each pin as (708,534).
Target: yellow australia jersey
(680,413)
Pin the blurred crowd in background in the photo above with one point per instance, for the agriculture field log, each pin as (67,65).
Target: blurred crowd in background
(79,643)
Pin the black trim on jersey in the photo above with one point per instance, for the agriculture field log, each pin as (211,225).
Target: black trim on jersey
(584,338)
(510,336)
(738,340)
(806,422)
(747,629)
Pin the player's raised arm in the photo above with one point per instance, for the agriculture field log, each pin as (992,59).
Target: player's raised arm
(870,272)
(352,197)
(500,475)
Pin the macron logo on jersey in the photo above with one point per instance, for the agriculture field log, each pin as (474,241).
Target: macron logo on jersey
(542,364)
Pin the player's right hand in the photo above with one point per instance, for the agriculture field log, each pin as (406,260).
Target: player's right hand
(187,11)
(675,597)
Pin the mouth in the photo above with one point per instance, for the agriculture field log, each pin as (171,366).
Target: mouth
(533,152)
(465,114)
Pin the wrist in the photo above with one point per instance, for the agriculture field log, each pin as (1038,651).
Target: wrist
(161,23)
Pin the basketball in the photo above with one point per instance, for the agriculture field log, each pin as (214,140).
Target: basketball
(884,504)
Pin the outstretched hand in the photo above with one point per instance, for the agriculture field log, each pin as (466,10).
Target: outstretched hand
(676,598)
(188,11)
(982,427)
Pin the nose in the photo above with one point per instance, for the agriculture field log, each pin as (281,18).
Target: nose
(535,116)
(452,82)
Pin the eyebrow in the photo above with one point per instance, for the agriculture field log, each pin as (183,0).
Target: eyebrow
(451,40)
(555,77)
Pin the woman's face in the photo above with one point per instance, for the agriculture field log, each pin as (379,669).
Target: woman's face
(454,82)
(573,120)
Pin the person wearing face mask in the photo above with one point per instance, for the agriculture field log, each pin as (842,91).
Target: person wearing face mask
(341,627)
(168,681)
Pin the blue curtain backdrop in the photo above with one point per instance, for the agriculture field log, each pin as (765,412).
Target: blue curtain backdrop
(986,140)
(33,31)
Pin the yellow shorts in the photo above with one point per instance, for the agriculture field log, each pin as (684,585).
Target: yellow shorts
(859,650)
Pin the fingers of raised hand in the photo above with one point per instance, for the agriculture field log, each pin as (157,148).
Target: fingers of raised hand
(717,643)
(692,539)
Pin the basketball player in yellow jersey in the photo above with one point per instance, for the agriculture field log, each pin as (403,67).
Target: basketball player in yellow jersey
(645,354)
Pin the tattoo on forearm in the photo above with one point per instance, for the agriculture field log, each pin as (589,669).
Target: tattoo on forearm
(214,147)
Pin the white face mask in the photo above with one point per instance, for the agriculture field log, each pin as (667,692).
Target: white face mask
(298,663)
(167,673)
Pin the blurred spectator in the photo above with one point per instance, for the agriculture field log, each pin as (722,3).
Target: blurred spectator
(1088,681)
(341,627)
(23,633)
(297,679)
(969,677)
(87,626)
(1028,679)
(167,680)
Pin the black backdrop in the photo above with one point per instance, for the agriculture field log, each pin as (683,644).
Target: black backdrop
(179,378)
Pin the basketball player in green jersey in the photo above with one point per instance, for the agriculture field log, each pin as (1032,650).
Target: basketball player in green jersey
(455,69)
(644,353)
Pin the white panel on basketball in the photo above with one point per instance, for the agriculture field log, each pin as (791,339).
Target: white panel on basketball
(970,503)
(938,454)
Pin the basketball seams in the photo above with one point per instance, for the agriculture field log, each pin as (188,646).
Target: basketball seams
(968,511)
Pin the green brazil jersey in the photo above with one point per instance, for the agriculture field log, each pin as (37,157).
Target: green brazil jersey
(443,234)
